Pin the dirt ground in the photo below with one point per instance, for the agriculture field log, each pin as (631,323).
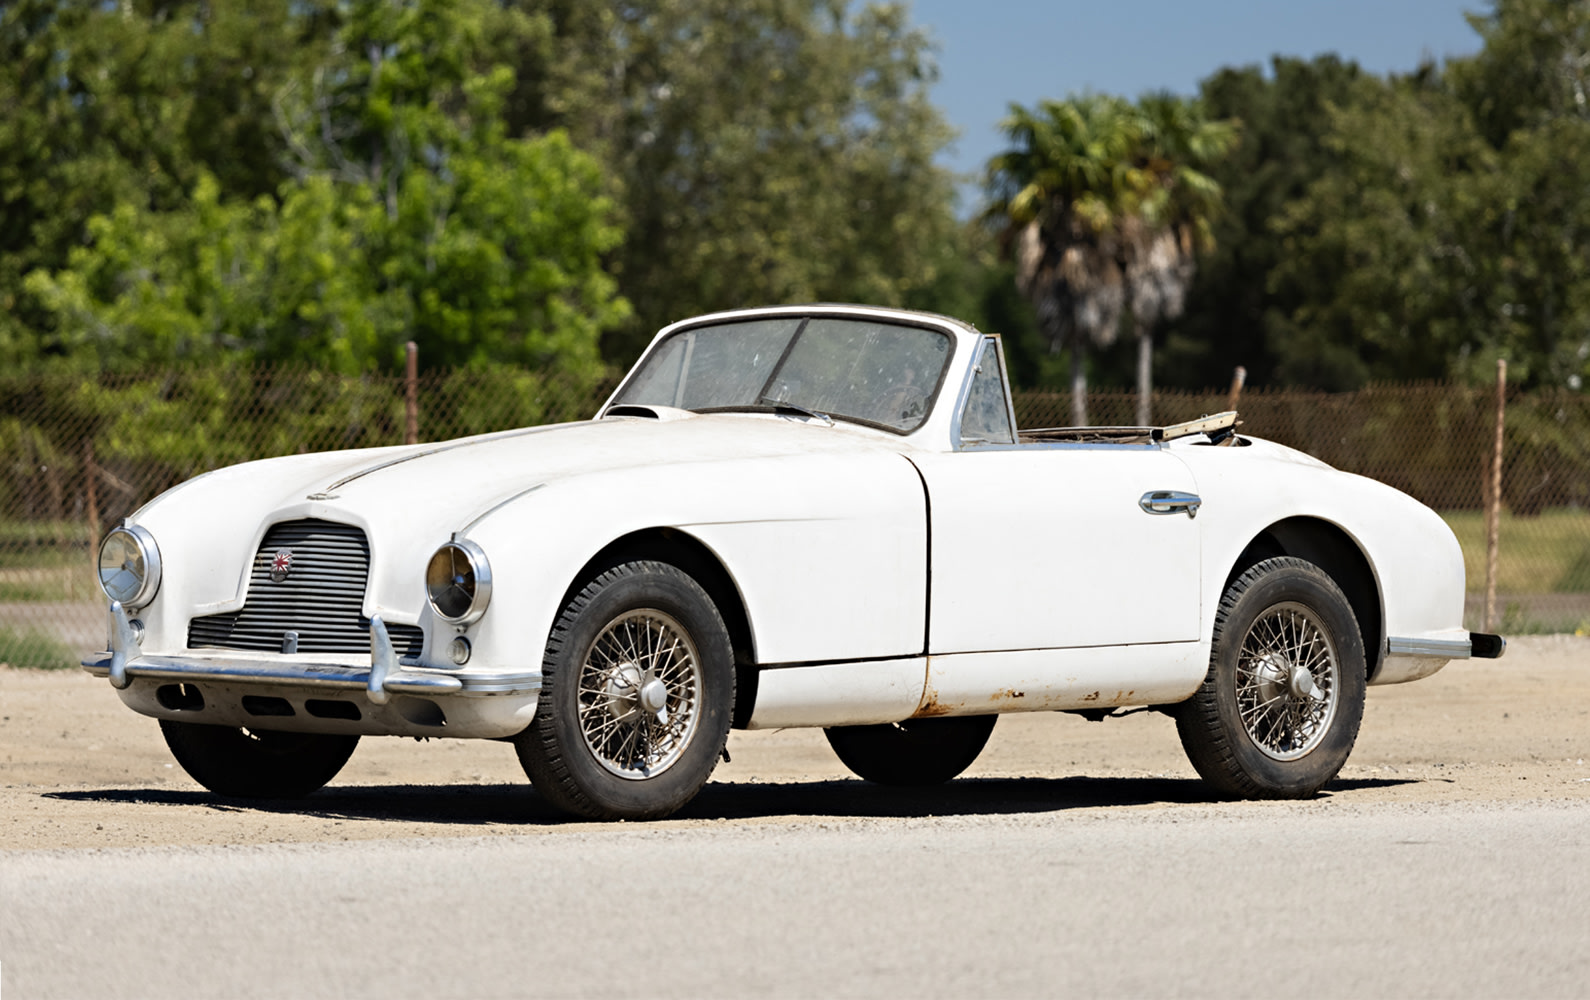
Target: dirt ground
(78,770)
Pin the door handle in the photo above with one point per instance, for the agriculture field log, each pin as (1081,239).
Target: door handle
(1170,502)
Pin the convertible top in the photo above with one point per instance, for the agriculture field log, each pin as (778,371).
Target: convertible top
(1221,428)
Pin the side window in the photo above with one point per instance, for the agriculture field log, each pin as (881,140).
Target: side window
(986,419)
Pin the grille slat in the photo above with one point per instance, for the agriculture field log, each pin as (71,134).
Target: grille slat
(321,598)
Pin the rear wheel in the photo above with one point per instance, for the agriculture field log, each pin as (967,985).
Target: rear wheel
(913,752)
(257,764)
(1279,710)
(636,699)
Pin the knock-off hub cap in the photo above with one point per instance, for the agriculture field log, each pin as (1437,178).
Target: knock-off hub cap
(654,696)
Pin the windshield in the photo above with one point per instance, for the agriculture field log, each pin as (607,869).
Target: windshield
(857,369)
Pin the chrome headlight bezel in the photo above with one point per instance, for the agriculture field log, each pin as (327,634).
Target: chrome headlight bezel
(439,591)
(149,584)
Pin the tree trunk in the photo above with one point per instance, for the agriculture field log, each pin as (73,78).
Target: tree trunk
(1145,376)
(1079,379)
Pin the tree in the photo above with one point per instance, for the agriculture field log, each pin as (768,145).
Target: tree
(409,215)
(1060,197)
(127,104)
(761,151)
(1232,315)
(1452,228)
(1106,204)
(1172,222)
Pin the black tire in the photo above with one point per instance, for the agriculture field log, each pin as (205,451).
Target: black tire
(913,752)
(593,748)
(1258,728)
(257,764)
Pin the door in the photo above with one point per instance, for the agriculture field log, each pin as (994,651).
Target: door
(1044,546)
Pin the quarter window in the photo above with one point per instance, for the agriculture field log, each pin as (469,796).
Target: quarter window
(986,419)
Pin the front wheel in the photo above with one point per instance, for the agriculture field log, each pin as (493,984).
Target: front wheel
(1279,710)
(636,699)
(257,764)
(913,752)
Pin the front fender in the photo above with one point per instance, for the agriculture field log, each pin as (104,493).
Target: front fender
(828,551)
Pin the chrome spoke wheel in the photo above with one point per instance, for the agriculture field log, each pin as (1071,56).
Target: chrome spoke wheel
(640,693)
(1287,678)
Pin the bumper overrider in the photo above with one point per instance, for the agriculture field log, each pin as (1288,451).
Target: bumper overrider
(390,695)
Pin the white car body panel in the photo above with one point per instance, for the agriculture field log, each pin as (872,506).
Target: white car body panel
(882,576)
(1041,680)
(1414,556)
(1046,546)
(839,694)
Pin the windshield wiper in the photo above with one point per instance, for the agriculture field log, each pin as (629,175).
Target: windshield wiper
(783,406)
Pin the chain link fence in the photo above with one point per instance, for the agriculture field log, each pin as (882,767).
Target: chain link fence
(80,453)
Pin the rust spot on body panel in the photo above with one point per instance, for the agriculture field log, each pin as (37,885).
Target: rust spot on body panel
(929,706)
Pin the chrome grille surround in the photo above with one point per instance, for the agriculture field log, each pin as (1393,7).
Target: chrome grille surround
(320,598)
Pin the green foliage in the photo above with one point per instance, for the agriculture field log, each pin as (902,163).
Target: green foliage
(408,214)
(1437,222)
(763,151)
(34,649)
(1379,251)
(112,105)
(1232,306)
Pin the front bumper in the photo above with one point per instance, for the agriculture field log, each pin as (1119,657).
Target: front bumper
(300,693)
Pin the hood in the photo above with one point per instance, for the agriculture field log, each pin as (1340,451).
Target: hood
(465,479)
(410,499)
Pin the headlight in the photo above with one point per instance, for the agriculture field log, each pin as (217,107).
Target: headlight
(129,566)
(458,582)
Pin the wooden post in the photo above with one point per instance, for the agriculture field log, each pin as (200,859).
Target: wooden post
(1239,378)
(1145,378)
(411,395)
(1493,506)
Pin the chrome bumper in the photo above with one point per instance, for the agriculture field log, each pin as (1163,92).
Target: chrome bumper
(384,677)
(1478,644)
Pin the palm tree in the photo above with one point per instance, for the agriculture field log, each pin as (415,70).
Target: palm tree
(1061,196)
(1172,221)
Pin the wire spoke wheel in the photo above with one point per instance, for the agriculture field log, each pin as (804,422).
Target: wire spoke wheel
(639,693)
(1287,673)
(1280,707)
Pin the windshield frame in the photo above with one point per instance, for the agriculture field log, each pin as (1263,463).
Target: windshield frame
(945,327)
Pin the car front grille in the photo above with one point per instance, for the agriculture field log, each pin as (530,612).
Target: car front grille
(319,598)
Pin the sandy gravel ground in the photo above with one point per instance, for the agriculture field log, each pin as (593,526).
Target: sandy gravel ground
(78,770)
(1451,858)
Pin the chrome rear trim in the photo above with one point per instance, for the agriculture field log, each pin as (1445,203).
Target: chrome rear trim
(1446,649)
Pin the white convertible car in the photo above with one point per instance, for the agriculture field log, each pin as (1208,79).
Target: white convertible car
(803,516)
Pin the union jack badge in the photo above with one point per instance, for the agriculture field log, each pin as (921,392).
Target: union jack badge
(281,565)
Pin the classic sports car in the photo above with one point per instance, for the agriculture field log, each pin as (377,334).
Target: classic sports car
(802,516)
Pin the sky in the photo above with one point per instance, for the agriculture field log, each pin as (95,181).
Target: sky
(994,52)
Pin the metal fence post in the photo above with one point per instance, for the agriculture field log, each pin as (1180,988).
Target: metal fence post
(1493,508)
(411,394)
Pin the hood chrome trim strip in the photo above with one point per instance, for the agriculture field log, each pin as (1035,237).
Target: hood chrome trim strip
(494,508)
(449,446)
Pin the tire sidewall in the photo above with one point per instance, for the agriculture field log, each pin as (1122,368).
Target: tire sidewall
(914,752)
(1304,584)
(636,586)
(267,765)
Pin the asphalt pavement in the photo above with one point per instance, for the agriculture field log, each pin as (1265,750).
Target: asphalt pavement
(1228,900)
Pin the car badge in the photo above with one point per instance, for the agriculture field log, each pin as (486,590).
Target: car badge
(281,565)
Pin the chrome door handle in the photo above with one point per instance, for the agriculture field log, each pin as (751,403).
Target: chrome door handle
(1170,502)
